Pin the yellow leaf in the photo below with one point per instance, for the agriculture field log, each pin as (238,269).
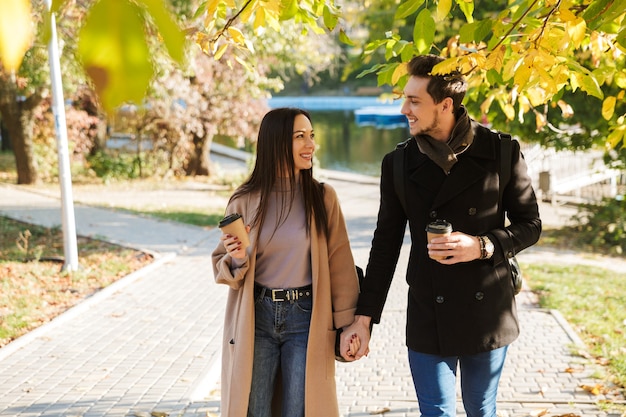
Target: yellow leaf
(236,35)
(509,111)
(443,8)
(565,13)
(259,18)
(495,59)
(400,71)
(566,109)
(16,33)
(211,7)
(220,51)
(522,76)
(577,30)
(608,107)
(446,67)
(540,121)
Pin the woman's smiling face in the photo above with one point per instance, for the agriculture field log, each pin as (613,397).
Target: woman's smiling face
(303,143)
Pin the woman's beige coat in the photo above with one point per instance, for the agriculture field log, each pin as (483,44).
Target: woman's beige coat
(335,293)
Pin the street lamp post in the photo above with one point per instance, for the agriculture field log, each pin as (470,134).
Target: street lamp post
(65,177)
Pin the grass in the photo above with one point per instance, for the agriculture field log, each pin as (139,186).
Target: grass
(34,289)
(183,215)
(593,300)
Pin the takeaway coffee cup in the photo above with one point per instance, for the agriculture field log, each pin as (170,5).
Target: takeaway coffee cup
(233,225)
(435,229)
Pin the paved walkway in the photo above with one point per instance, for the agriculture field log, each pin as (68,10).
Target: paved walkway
(150,343)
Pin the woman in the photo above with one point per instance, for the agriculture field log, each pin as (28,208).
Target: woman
(291,288)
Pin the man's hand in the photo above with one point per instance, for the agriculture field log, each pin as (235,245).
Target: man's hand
(355,339)
(457,247)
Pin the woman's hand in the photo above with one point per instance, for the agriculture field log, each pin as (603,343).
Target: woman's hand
(456,247)
(355,339)
(233,245)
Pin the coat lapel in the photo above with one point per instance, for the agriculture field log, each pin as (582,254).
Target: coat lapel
(467,171)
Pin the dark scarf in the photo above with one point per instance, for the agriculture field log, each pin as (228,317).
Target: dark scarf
(445,154)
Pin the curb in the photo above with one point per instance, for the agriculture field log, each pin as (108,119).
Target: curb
(82,306)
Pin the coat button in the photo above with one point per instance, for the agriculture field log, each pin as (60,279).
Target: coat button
(472,211)
(479,295)
(433,214)
(440,299)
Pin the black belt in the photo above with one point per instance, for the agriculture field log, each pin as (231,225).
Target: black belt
(284,294)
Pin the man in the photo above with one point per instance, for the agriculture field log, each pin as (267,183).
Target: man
(461,309)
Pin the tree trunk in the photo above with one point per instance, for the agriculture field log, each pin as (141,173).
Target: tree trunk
(17,116)
(18,120)
(200,163)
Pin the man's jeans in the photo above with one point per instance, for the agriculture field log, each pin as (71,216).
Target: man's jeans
(280,342)
(435,382)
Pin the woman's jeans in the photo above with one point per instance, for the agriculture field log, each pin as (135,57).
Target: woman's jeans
(434,378)
(280,342)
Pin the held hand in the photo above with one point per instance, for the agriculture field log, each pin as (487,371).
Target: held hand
(355,339)
(457,247)
(233,245)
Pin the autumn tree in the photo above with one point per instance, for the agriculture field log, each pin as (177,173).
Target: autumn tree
(554,70)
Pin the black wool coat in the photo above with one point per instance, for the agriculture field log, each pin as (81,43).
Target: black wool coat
(469,307)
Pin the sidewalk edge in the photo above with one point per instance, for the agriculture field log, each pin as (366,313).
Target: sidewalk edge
(83,305)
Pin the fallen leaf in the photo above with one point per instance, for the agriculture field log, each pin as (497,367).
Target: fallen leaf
(592,389)
(539,413)
(380,411)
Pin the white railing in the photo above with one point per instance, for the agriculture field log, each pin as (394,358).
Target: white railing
(573,176)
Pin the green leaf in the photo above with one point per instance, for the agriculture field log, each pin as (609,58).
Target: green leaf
(407,8)
(424,31)
(114,52)
(172,35)
(344,38)
(590,85)
(621,35)
(467,8)
(375,68)
(600,11)
(330,18)
(288,9)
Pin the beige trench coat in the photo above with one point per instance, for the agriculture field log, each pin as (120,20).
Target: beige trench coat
(335,294)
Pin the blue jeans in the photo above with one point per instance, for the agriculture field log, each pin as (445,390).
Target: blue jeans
(434,378)
(280,342)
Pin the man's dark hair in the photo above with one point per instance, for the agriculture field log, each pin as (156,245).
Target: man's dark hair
(440,86)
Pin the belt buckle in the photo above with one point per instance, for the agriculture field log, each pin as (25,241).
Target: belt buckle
(274,295)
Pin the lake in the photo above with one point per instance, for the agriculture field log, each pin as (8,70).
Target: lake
(342,143)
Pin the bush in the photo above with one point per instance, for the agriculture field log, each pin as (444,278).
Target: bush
(121,166)
(603,226)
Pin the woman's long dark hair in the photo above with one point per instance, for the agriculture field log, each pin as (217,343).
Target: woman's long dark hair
(274,160)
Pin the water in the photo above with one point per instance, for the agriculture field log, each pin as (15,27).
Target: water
(342,143)
(345,146)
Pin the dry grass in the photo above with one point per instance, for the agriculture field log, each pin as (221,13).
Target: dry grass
(33,287)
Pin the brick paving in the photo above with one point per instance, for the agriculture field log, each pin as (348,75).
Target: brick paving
(150,343)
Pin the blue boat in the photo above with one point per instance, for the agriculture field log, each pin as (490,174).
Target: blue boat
(382,117)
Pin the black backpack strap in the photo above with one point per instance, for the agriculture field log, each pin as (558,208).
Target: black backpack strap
(505,160)
(398,172)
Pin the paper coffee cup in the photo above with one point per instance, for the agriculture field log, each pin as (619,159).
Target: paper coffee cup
(435,229)
(233,225)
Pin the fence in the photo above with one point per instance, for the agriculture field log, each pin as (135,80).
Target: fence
(572,176)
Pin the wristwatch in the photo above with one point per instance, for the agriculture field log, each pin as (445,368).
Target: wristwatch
(486,247)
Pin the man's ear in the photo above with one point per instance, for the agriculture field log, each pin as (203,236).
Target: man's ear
(447,104)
